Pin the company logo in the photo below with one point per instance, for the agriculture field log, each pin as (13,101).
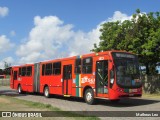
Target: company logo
(6,114)
(89,80)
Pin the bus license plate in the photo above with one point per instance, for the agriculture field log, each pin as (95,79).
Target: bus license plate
(132,90)
(131,94)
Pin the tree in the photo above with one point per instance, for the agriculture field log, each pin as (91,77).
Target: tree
(6,65)
(140,35)
(1,72)
(6,68)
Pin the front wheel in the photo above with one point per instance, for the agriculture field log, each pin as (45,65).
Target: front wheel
(46,92)
(89,96)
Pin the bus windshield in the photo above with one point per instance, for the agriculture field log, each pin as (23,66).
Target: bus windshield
(127,70)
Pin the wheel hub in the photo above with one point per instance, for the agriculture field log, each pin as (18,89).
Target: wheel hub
(19,89)
(46,92)
(89,96)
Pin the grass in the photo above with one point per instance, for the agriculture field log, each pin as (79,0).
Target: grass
(154,95)
(13,104)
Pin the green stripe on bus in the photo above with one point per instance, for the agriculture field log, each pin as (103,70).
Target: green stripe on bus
(77,84)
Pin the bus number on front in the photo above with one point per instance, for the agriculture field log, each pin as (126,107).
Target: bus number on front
(101,58)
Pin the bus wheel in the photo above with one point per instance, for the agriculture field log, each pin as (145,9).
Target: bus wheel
(89,96)
(20,89)
(46,92)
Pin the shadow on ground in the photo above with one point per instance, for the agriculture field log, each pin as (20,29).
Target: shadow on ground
(12,93)
(127,102)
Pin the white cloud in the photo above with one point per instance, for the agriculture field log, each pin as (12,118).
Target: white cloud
(9,60)
(119,16)
(83,42)
(45,39)
(5,44)
(3,11)
(51,38)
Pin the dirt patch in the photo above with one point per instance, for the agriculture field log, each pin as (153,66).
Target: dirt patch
(3,100)
(7,103)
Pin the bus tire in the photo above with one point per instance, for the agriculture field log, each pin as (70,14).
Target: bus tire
(89,96)
(46,92)
(20,89)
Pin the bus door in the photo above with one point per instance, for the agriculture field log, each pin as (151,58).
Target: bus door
(67,79)
(14,79)
(102,78)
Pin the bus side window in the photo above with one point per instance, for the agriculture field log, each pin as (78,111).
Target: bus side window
(20,71)
(48,70)
(57,68)
(43,69)
(77,69)
(23,71)
(87,65)
(15,75)
(29,70)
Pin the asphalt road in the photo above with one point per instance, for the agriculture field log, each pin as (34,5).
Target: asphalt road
(76,104)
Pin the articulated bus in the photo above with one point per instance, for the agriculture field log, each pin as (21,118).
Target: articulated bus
(2,76)
(105,75)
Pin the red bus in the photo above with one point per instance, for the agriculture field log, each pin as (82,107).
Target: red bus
(104,75)
(2,76)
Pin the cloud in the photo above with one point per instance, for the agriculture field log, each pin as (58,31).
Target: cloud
(3,11)
(50,38)
(9,60)
(119,16)
(83,42)
(45,39)
(5,44)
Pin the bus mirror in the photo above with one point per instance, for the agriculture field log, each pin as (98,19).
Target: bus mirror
(112,74)
(111,78)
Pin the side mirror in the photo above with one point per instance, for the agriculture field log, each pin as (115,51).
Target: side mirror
(111,77)
(112,74)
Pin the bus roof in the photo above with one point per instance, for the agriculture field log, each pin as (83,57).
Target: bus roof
(73,57)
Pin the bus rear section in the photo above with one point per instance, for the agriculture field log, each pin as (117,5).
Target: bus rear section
(22,78)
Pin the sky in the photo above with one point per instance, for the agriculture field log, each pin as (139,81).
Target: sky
(38,30)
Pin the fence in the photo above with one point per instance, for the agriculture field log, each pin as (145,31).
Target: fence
(151,84)
(5,82)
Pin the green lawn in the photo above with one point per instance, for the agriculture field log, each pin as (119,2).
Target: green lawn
(13,104)
(147,95)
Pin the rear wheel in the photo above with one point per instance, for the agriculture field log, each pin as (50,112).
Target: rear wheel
(89,96)
(20,89)
(46,92)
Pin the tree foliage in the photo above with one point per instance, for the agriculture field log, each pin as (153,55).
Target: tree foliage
(6,65)
(140,35)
